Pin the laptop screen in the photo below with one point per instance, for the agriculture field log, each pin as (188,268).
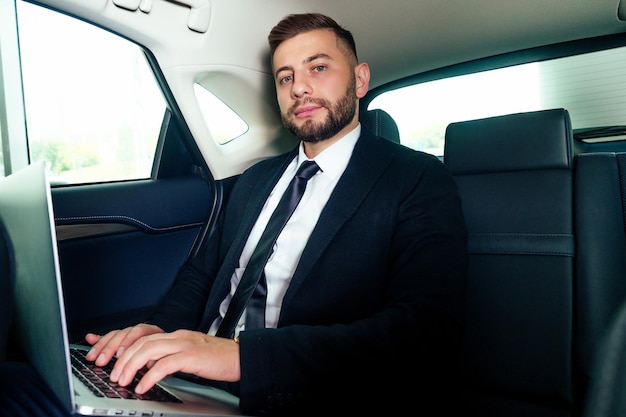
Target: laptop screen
(26,211)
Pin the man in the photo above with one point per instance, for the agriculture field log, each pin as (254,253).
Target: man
(365,284)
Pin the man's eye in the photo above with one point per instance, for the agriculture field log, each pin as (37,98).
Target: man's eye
(319,68)
(286,79)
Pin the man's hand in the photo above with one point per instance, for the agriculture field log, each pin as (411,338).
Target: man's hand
(116,342)
(186,351)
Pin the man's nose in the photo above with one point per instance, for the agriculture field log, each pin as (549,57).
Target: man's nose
(300,87)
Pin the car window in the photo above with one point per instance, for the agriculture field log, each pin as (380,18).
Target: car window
(591,86)
(222,121)
(93,107)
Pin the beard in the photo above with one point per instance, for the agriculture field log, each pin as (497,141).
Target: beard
(339,116)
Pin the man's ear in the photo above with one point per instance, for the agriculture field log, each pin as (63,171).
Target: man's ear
(362,75)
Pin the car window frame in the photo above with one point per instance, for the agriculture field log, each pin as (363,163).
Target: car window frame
(526,56)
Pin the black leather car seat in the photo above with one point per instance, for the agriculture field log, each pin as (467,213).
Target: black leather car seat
(6,289)
(606,395)
(515,177)
(380,123)
(600,202)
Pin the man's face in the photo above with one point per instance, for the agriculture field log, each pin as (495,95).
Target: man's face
(315,86)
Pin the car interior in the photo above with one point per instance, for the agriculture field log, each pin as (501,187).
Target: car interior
(542,177)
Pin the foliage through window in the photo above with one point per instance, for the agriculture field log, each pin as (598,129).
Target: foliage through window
(93,107)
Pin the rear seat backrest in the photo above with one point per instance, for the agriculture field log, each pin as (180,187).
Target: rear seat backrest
(600,249)
(515,177)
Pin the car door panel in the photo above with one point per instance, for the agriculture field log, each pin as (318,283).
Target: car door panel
(121,244)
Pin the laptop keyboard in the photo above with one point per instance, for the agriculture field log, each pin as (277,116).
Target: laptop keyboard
(96,378)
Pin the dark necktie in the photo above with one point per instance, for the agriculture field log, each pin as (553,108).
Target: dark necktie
(253,279)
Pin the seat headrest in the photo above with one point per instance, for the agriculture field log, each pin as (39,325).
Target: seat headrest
(514,142)
(381,123)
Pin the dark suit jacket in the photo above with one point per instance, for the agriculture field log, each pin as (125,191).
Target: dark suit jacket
(377,295)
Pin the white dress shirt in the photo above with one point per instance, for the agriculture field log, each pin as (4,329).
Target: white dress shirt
(294,236)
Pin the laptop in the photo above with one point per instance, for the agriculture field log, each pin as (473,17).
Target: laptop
(26,210)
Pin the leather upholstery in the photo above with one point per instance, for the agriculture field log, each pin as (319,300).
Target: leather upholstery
(607,397)
(381,124)
(517,142)
(6,289)
(600,260)
(515,177)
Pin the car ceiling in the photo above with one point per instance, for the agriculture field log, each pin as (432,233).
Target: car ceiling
(397,38)
(226,52)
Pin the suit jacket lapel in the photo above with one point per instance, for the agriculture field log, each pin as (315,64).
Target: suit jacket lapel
(367,163)
(264,185)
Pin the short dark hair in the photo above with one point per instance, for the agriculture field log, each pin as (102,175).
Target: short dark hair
(295,24)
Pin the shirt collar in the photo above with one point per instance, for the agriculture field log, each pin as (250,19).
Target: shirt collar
(334,159)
